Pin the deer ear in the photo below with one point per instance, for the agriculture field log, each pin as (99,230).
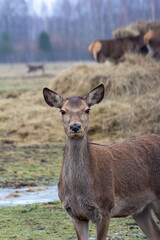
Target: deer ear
(95,95)
(53,99)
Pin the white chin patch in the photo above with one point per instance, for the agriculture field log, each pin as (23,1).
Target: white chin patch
(75,135)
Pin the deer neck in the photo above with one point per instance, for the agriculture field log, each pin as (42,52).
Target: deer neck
(76,164)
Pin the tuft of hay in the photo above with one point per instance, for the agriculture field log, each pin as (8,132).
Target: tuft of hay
(134,29)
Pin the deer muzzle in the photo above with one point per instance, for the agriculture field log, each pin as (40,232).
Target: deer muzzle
(75,128)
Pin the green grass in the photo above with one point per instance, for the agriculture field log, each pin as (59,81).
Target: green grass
(49,221)
(32,164)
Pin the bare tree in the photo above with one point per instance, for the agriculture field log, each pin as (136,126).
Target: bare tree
(72,25)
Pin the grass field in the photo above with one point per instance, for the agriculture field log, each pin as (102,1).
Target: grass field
(50,222)
(32,138)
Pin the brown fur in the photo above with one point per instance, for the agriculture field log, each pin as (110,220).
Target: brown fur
(95,48)
(152,41)
(98,182)
(114,49)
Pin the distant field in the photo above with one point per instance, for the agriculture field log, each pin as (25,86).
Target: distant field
(16,77)
(21,69)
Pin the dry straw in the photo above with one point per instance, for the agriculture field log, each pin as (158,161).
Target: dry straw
(131,106)
(134,29)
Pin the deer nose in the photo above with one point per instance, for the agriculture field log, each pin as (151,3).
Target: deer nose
(75,128)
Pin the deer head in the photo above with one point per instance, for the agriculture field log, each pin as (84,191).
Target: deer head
(74,110)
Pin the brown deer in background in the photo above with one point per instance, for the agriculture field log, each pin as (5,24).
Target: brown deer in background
(152,42)
(114,49)
(35,67)
(98,182)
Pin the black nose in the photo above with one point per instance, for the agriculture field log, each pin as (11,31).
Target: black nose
(75,128)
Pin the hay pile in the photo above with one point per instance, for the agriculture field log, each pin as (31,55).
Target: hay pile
(131,106)
(26,119)
(134,29)
(135,76)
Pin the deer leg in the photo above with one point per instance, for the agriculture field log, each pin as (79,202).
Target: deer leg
(81,228)
(151,52)
(146,222)
(100,57)
(102,228)
(156,208)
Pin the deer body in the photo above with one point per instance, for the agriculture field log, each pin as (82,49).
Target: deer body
(114,49)
(98,182)
(116,170)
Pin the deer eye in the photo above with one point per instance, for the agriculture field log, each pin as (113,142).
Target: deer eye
(63,112)
(87,111)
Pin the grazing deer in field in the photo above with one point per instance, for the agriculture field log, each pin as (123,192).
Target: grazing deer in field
(35,67)
(114,49)
(152,42)
(98,182)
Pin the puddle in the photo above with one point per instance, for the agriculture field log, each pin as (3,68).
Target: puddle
(27,195)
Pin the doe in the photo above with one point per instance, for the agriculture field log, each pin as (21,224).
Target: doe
(98,182)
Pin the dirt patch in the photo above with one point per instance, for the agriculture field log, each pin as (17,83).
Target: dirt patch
(19,184)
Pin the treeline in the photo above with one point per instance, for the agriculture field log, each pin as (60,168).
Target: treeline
(71,25)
